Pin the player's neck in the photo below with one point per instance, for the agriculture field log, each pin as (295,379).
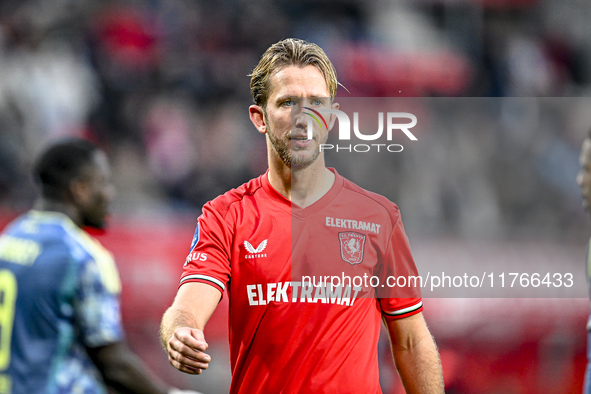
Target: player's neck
(302,187)
(52,205)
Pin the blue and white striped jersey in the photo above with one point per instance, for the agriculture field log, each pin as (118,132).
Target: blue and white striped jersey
(59,293)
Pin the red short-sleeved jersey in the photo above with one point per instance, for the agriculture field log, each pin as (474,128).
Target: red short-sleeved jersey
(286,337)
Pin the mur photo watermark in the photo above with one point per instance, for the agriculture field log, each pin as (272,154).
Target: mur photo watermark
(373,128)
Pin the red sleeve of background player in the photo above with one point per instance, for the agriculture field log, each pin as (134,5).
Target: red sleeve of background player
(401,295)
(209,258)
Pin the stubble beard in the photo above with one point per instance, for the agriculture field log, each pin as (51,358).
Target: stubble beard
(284,150)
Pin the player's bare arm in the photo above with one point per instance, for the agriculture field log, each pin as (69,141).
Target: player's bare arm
(124,371)
(415,355)
(181,331)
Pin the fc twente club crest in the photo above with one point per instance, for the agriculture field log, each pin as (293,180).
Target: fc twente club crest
(352,245)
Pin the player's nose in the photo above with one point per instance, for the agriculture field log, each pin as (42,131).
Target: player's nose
(299,120)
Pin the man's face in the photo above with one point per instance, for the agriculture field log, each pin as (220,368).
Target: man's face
(584,176)
(291,89)
(97,192)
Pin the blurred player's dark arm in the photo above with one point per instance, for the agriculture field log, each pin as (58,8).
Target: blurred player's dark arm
(123,371)
(181,330)
(415,355)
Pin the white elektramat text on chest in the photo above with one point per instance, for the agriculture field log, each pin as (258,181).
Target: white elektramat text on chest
(353,224)
(325,293)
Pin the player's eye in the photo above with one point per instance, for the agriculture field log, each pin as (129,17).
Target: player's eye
(287,103)
(317,102)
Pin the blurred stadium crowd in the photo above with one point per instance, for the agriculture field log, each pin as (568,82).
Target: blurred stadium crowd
(163,86)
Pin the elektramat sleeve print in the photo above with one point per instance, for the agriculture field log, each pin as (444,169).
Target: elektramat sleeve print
(285,335)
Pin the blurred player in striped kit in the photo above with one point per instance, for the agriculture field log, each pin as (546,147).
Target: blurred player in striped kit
(60,320)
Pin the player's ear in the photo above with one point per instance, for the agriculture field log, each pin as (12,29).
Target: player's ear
(333,117)
(257,117)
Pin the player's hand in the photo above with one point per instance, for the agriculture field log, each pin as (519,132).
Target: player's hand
(186,350)
(177,391)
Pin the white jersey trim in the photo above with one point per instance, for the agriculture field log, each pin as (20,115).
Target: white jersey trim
(204,277)
(405,310)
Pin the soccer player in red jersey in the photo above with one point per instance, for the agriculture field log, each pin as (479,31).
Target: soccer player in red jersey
(290,336)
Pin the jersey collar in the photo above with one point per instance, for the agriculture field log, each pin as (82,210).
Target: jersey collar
(310,210)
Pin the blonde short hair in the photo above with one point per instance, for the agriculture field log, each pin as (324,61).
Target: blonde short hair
(288,52)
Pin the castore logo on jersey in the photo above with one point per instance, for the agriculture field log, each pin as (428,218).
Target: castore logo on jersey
(255,253)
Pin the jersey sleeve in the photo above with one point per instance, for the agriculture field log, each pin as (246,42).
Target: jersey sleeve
(97,303)
(209,257)
(401,295)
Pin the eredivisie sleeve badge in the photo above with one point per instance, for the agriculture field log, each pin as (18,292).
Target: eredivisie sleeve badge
(352,245)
